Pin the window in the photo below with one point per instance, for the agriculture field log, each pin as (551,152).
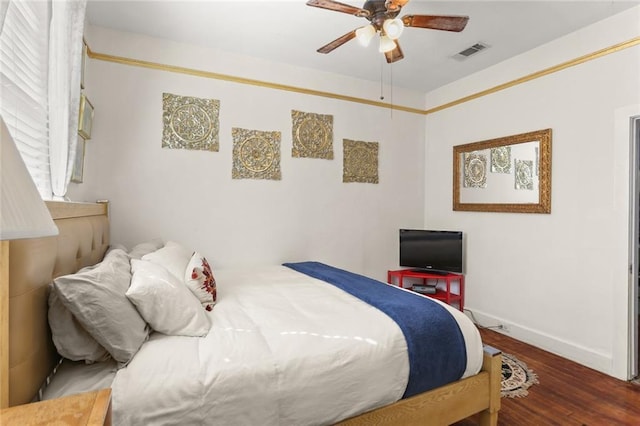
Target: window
(24,45)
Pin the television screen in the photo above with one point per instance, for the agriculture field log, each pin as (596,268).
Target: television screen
(436,251)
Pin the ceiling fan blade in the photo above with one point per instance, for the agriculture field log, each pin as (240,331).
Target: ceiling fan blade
(395,54)
(339,7)
(435,22)
(337,42)
(395,5)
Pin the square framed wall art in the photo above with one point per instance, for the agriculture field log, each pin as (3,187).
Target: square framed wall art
(256,154)
(312,135)
(190,123)
(85,120)
(360,161)
(77,174)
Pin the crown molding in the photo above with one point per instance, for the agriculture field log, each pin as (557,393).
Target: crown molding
(242,80)
(533,76)
(276,86)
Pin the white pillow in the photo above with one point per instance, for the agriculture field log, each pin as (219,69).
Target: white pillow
(96,297)
(172,256)
(71,339)
(145,247)
(165,302)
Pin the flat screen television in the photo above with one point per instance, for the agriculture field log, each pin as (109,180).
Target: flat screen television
(431,251)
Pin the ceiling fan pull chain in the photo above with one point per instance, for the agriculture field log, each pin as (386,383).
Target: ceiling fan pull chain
(391,88)
(381,68)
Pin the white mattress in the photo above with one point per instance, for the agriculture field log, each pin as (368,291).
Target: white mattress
(284,349)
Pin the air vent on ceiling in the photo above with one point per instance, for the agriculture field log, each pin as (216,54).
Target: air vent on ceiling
(470,51)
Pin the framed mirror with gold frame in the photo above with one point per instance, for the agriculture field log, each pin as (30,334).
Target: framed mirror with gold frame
(508,174)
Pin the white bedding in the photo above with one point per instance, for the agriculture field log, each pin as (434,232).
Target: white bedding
(284,349)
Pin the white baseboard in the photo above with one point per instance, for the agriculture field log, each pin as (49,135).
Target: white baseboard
(593,359)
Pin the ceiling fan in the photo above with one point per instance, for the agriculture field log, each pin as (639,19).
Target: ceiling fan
(382,15)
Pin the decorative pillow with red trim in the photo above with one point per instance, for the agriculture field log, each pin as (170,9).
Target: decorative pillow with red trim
(199,278)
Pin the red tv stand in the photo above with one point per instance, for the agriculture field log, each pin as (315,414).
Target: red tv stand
(445,295)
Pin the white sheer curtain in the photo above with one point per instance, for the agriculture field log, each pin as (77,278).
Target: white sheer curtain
(65,57)
(4,5)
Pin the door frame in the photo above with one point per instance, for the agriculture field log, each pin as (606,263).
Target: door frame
(634,245)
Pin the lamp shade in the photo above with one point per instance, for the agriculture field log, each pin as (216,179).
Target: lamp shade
(23,213)
(365,34)
(386,44)
(393,28)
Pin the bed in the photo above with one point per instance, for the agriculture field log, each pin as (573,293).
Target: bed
(374,397)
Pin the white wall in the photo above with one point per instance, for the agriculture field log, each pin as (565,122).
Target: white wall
(189,196)
(559,281)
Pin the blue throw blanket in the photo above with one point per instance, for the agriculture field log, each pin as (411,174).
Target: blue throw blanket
(436,347)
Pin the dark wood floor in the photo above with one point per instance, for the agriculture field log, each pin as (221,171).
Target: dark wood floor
(568,393)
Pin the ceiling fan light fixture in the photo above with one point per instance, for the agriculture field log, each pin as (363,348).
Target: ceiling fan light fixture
(365,34)
(393,28)
(386,44)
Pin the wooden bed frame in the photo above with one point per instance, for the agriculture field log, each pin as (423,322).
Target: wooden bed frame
(27,354)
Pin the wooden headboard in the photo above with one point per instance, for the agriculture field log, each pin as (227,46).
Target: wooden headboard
(33,264)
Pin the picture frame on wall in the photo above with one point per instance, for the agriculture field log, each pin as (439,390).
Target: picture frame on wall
(85,120)
(83,64)
(77,175)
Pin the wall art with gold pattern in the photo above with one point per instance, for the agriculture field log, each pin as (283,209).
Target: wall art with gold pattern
(190,123)
(524,174)
(312,135)
(360,161)
(501,159)
(256,154)
(475,170)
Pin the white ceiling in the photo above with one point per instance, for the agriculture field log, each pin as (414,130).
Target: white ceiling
(289,31)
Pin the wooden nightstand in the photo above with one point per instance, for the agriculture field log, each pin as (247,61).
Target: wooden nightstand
(91,409)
